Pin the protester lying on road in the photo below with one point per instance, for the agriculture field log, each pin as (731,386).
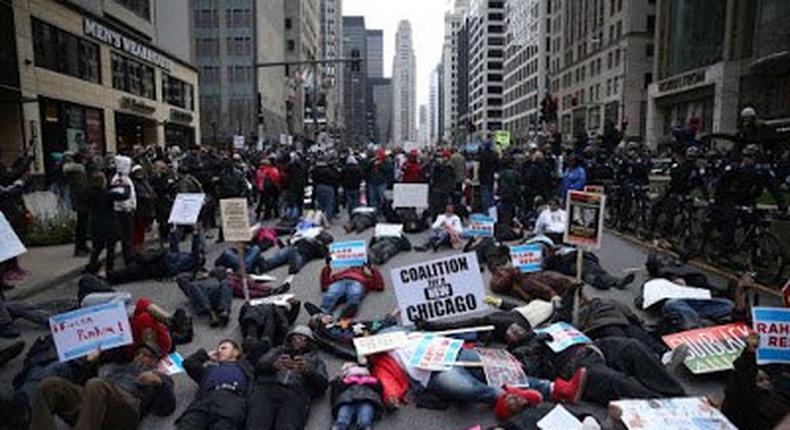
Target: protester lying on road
(563,260)
(544,285)
(361,219)
(355,396)
(160,264)
(209,294)
(266,325)
(301,250)
(337,336)
(349,286)
(382,248)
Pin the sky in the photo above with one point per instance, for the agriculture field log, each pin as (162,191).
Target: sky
(427,25)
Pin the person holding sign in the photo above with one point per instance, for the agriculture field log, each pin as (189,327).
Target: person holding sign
(446,230)
(348,285)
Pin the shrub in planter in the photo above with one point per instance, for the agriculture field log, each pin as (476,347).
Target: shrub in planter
(52,231)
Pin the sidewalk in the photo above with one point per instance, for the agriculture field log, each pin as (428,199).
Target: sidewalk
(49,266)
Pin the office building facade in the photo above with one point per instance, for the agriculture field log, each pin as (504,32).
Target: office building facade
(486,27)
(404,87)
(355,85)
(375,53)
(332,38)
(303,43)
(453,22)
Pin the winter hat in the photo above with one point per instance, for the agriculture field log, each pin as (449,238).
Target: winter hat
(351,160)
(303,330)
(353,369)
(532,398)
(536,312)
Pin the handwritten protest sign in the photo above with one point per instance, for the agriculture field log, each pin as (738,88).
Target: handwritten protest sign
(186,209)
(435,353)
(501,368)
(711,349)
(279,300)
(527,258)
(502,139)
(683,413)
(11,245)
(82,331)
(480,226)
(449,287)
(564,336)
(585,219)
(171,364)
(773,327)
(235,220)
(410,196)
(598,189)
(656,290)
(348,254)
(379,343)
(388,230)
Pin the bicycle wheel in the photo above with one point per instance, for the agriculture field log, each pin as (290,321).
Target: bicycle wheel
(767,258)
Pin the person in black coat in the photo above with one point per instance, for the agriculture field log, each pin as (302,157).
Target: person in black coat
(104,225)
(355,396)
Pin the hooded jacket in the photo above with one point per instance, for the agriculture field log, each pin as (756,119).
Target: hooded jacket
(124,168)
(369,277)
(313,382)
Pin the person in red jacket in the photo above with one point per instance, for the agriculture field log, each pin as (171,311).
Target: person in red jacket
(412,169)
(349,285)
(268,181)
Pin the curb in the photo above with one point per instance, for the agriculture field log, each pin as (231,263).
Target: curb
(34,290)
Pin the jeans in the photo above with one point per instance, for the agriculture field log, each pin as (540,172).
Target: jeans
(363,410)
(439,237)
(207,297)
(230,258)
(81,232)
(179,262)
(35,313)
(277,408)
(125,227)
(695,313)
(348,290)
(289,255)
(352,201)
(293,211)
(376,197)
(487,195)
(325,199)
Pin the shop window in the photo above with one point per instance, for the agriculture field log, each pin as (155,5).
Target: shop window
(133,76)
(141,8)
(177,92)
(63,52)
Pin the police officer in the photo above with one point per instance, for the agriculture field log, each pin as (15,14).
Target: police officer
(633,172)
(684,177)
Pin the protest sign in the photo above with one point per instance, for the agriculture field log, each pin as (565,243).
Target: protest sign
(279,299)
(681,413)
(449,287)
(585,219)
(711,349)
(786,294)
(238,141)
(11,245)
(435,353)
(527,258)
(657,290)
(773,327)
(235,220)
(480,226)
(598,189)
(410,196)
(500,368)
(186,209)
(348,254)
(79,332)
(564,336)
(379,343)
(559,419)
(388,230)
(502,139)
(171,364)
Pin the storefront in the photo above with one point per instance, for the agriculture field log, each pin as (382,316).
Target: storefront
(72,127)
(177,130)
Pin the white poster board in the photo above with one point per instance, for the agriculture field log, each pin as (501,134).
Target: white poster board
(585,219)
(410,196)
(379,343)
(10,245)
(235,220)
(278,300)
(388,230)
(684,413)
(85,330)
(657,290)
(238,142)
(449,287)
(186,208)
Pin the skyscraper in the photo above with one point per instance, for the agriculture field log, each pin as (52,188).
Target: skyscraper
(435,104)
(404,87)
(486,55)
(332,35)
(355,85)
(423,135)
(453,22)
(302,43)
(375,54)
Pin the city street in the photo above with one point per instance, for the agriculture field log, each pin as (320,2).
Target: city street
(617,256)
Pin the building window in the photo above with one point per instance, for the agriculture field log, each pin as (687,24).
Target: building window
(649,50)
(291,45)
(141,8)
(238,18)
(207,47)
(651,24)
(133,77)
(62,52)
(206,18)
(288,23)
(648,79)
(177,92)
(239,46)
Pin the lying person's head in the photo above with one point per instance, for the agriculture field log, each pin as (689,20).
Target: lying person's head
(516,334)
(228,350)
(503,278)
(147,355)
(299,338)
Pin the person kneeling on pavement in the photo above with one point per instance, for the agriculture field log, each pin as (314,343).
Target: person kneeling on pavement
(209,294)
(355,397)
(118,398)
(348,285)
(445,231)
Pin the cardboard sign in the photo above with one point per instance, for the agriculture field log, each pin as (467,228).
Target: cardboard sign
(682,413)
(85,330)
(564,336)
(348,254)
(711,349)
(559,419)
(388,230)
(235,220)
(597,189)
(657,290)
(449,287)
(171,364)
(585,219)
(278,300)
(480,226)
(379,343)
(773,327)
(527,258)
(11,245)
(500,368)
(410,196)
(186,209)
(238,141)
(502,139)
(435,353)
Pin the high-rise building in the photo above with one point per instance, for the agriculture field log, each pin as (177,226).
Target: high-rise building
(375,54)
(303,43)
(332,38)
(382,101)
(453,22)
(424,132)
(404,87)
(355,86)
(435,105)
(462,121)
(486,56)
(601,64)
(526,59)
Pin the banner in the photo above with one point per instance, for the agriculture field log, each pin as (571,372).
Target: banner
(500,368)
(171,364)
(348,254)
(773,327)
(235,220)
(480,226)
(527,258)
(379,343)
(410,196)
(12,246)
(585,219)
(597,189)
(388,230)
(711,349)
(449,287)
(657,290)
(564,336)
(82,331)
(683,413)
(435,353)
(186,209)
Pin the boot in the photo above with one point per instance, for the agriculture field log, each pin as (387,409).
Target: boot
(349,311)
(213,319)
(224,318)
(9,331)
(10,352)
(160,314)
(569,391)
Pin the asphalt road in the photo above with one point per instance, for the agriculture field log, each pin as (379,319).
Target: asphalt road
(617,256)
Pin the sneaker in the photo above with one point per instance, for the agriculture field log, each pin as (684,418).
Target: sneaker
(213,320)
(625,281)
(421,248)
(570,391)
(181,328)
(10,352)
(224,318)
(282,289)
